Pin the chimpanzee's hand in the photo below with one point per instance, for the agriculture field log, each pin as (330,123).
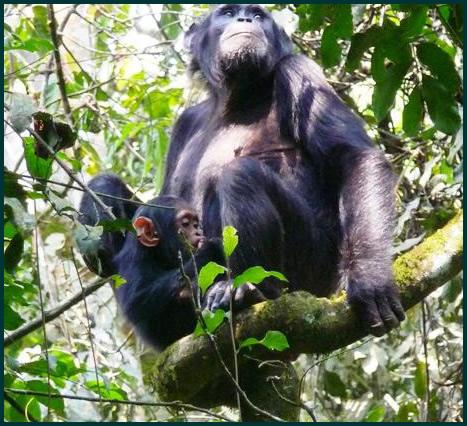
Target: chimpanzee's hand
(218,296)
(378,306)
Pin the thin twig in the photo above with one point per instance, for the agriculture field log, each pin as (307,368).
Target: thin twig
(425,353)
(100,194)
(91,341)
(42,306)
(299,404)
(232,333)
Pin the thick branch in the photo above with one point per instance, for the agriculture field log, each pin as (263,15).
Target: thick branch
(312,325)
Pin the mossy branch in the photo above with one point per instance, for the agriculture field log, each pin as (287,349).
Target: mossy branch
(187,370)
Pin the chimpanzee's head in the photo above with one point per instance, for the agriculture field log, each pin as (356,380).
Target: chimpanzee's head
(168,230)
(236,41)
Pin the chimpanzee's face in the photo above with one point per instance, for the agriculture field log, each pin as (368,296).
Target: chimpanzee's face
(237,40)
(188,226)
(243,34)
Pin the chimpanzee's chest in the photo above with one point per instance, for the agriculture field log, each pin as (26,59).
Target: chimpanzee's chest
(260,142)
(208,153)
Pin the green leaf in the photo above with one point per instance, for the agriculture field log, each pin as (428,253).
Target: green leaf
(116,225)
(413,113)
(385,90)
(420,380)
(413,25)
(170,22)
(378,67)
(441,105)
(360,43)
(440,64)
(255,275)
(41,46)
(30,408)
(376,414)
(445,169)
(118,280)
(56,404)
(311,16)
(333,384)
(38,167)
(408,412)
(208,274)
(11,319)
(11,187)
(65,364)
(212,320)
(9,230)
(273,340)
(110,390)
(75,164)
(251,341)
(13,253)
(21,110)
(330,49)
(17,213)
(342,20)
(40,21)
(87,238)
(229,239)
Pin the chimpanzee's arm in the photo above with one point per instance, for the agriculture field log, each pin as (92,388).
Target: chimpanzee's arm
(366,213)
(187,124)
(362,178)
(158,302)
(91,214)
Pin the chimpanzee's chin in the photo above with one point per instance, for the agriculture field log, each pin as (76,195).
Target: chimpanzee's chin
(241,62)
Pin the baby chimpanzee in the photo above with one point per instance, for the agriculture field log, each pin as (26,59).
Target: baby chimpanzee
(156,299)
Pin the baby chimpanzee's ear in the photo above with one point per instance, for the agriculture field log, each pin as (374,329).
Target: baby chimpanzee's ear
(145,231)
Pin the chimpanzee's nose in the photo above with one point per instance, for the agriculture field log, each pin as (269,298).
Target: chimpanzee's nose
(244,20)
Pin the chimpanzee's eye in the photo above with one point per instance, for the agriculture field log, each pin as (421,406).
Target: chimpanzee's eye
(258,17)
(228,12)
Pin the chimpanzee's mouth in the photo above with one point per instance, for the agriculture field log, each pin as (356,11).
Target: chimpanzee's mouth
(199,243)
(244,34)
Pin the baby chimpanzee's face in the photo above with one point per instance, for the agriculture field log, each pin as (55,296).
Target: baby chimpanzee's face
(187,224)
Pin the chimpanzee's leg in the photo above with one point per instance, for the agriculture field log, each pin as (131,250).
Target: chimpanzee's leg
(275,226)
(91,214)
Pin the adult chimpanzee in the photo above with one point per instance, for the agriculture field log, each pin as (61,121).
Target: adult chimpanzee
(156,299)
(274,152)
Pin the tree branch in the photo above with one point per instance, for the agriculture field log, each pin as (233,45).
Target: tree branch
(312,325)
(58,63)
(53,313)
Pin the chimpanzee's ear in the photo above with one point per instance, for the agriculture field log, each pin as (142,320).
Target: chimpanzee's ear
(146,232)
